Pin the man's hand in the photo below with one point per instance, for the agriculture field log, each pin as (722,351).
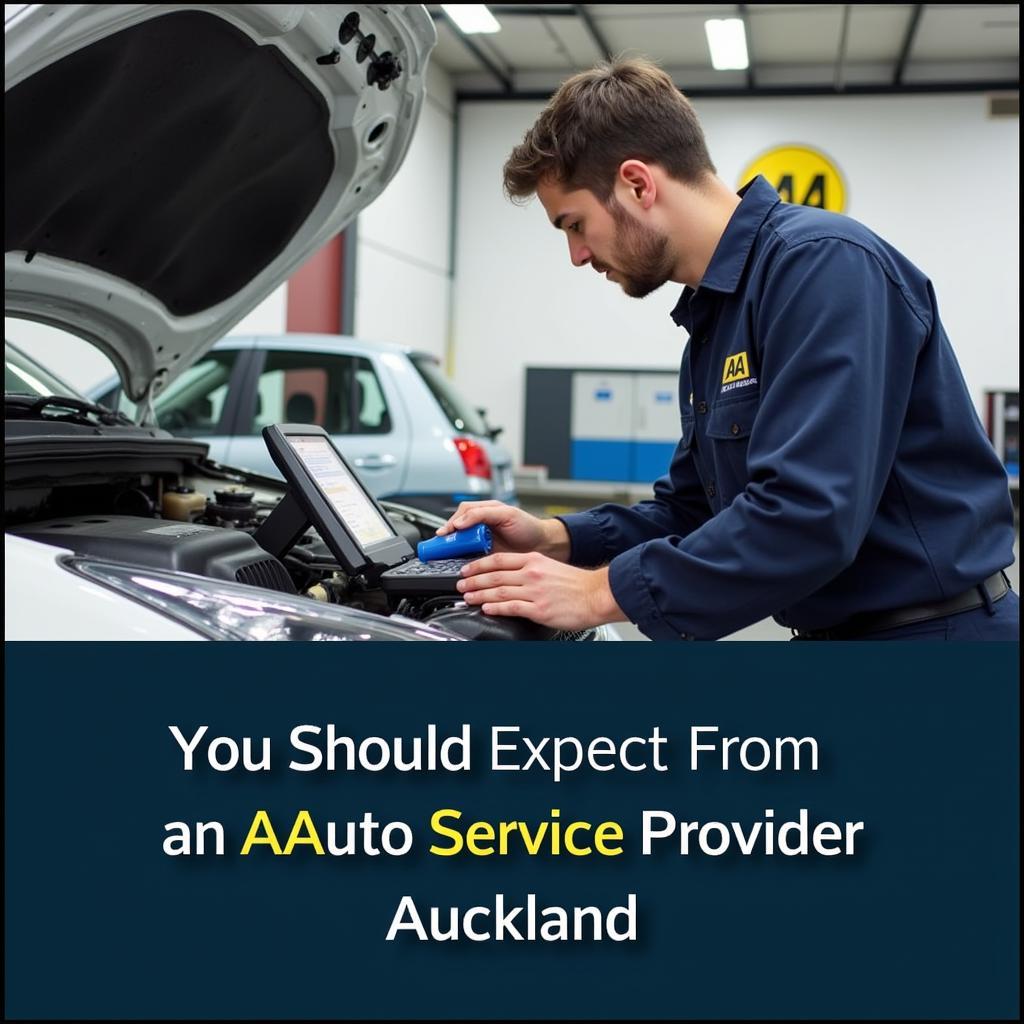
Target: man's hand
(540,589)
(512,529)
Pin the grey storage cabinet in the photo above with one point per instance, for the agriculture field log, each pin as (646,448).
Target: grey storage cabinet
(616,425)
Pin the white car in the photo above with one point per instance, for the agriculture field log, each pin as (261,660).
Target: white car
(167,168)
(390,409)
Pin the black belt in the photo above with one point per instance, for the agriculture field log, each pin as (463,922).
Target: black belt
(984,594)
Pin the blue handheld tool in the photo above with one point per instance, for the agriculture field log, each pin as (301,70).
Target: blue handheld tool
(461,544)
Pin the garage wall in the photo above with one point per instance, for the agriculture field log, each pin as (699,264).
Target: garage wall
(269,317)
(932,174)
(402,263)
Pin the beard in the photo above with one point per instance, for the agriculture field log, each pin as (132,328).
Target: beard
(642,257)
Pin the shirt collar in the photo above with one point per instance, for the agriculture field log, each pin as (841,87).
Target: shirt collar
(757,200)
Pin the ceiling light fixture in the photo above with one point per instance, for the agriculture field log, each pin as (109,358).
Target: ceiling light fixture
(472,18)
(727,41)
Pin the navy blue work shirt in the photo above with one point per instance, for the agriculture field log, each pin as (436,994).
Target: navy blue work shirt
(831,461)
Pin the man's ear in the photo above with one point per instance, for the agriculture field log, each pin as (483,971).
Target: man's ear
(638,179)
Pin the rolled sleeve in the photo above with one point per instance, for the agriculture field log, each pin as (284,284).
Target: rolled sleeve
(587,542)
(631,589)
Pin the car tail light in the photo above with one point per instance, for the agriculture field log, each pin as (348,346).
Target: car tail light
(474,457)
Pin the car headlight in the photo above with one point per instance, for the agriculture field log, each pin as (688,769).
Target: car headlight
(220,610)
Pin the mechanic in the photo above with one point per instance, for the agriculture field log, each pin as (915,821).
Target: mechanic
(832,470)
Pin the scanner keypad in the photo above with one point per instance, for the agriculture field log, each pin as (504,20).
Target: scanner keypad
(438,567)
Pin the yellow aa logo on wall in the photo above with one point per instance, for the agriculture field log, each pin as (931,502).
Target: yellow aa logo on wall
(801,175)
(735,368)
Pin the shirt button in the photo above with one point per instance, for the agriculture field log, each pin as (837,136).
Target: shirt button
(702,407)
(711,490)
(735,428)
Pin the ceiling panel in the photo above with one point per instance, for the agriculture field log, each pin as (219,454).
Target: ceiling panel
(450,53)
(671,38)
(795,35)
(577,37)
(876,31)
(967,33)
(790,8)
(536,43)
(628,12)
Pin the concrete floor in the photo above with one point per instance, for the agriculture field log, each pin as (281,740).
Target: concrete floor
(767,629)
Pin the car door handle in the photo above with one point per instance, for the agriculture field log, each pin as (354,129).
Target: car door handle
(375,461)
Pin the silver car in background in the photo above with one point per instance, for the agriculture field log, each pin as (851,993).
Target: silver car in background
(389,408)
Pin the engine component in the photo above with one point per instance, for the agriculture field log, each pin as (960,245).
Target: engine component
(133,501)
(232,506)
(155,544)
(182,504)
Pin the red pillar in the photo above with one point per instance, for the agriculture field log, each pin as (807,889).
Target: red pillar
(313,298)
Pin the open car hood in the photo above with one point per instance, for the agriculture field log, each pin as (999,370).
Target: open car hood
(167,167)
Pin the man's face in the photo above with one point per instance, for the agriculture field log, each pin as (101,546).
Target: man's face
(614,243)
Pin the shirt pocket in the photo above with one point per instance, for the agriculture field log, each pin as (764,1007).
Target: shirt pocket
(728,430)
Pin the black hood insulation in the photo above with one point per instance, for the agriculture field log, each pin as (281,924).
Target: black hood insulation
(177,155)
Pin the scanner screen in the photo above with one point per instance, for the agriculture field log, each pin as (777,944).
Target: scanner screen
(344,493)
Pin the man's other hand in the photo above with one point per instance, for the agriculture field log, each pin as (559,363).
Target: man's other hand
(540,589)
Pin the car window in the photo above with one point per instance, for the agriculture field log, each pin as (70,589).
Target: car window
(460,413)
(24,376)
(193,403)
(372,415)
(63,363)
(342,394)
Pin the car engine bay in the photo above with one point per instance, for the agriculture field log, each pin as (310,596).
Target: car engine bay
(194,516)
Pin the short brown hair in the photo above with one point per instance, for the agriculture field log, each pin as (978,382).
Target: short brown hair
(618,110)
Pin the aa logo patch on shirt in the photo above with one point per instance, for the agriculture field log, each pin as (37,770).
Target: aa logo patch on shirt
(737,367)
